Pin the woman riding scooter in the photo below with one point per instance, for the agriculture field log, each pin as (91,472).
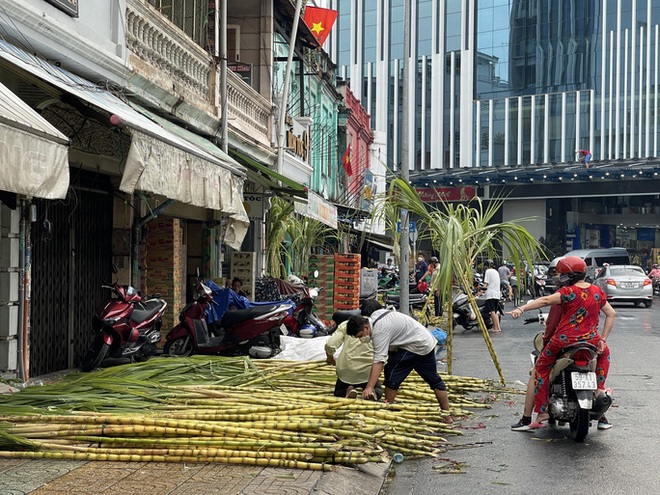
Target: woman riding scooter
(581,304)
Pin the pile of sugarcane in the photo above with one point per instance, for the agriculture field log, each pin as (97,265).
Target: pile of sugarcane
(229,410)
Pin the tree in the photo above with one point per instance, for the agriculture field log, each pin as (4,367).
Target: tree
(460,233)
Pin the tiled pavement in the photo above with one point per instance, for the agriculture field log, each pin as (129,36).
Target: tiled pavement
(51,477)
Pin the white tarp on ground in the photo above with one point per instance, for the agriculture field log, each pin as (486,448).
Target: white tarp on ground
(33,153)
(297,349)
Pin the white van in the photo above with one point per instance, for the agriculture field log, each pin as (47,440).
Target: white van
(596,258)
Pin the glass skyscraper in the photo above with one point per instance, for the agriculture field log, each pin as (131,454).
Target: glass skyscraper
(506,82)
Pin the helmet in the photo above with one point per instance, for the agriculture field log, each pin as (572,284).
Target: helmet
(433,259)
(489,263)
(655,265)
(571,269)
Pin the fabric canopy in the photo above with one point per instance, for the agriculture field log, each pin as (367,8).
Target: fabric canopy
(160,161)
(33,153)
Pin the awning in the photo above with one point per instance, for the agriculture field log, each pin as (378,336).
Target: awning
(159,160)
(33,153)
(268,178)
(380,243)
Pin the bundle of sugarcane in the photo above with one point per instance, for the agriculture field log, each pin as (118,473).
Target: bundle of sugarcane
(231,410)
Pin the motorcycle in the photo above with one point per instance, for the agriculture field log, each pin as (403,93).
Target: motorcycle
(573,394)
(463,313)
(656,285)
(388,280)
(303,322)
(417,301)
(127,325)
(539,285)
(253,331)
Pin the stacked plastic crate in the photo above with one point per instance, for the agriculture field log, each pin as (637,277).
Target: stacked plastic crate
(347,281)
(325,264)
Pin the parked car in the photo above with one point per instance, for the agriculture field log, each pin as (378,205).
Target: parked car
(625,283)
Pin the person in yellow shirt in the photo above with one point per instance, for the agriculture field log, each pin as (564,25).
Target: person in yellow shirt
(353,363)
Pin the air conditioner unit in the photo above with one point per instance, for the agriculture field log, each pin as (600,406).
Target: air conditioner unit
(233,43)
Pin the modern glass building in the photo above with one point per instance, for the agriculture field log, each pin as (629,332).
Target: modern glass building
(506,82)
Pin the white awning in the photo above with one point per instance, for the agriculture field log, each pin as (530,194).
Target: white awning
(33,153)
(159,161)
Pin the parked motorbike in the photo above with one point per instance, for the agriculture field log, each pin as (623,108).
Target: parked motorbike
(254,331)
(303,322)
(573,395)
(127,326)
(416,302)
(463,313)
(388,280)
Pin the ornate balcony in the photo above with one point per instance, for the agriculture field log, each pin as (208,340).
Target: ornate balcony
(167,57)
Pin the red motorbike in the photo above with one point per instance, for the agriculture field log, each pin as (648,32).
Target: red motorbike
(127,325)
(254,331)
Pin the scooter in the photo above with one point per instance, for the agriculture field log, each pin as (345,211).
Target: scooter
(127,326)
(656,285)
(303,322)
(573,394)
(539,285)
(254,331)
(463,313)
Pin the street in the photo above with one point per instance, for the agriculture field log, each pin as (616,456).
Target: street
(498,460)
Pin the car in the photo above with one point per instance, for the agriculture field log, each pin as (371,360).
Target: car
(625,283)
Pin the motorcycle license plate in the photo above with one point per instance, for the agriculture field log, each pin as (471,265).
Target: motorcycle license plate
(583,381)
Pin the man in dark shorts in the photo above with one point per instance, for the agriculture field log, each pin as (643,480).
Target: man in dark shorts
(401,345)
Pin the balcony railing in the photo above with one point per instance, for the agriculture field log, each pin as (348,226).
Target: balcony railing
(177,63)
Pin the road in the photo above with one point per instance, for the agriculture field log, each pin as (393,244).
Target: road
(497,460)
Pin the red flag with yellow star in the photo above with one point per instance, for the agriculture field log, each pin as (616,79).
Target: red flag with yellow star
(320,22)
(346,160)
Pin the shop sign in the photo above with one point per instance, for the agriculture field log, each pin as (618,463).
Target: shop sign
(254,206)
(297,139)
(435,194)
(68,6)
(319,209)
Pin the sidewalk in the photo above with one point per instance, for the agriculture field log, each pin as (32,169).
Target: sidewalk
(51,477)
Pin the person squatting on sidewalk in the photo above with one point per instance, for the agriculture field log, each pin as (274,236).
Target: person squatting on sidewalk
(401,345)
(353,363)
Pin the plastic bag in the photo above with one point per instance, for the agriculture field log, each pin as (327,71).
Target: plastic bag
(422,286)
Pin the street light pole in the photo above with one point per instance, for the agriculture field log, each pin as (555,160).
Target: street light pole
(404,246)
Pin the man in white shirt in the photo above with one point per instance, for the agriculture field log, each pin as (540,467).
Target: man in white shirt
(493,293)
(401,344)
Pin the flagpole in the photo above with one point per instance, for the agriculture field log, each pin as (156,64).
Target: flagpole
(285,90)
(404,246)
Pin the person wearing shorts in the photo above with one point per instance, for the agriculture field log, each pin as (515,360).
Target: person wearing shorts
(401,345)
(493,293)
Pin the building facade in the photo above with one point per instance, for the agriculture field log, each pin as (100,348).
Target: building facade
(505,92)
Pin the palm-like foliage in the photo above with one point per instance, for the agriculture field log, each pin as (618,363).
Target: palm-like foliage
(459,234)
(291,239)
(278,220)
(306,235)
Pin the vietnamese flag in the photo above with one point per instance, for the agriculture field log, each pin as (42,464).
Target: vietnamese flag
(320,22)
(346,160)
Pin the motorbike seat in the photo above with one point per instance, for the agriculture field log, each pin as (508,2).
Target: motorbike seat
(341,316)
(565,358)
(146,309)
(412,298)
(234,316)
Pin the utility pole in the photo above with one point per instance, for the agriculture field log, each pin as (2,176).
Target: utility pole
(404,246)
(285,91)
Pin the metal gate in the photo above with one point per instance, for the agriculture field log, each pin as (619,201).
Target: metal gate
(71,258)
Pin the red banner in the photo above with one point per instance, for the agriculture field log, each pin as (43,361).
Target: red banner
(435,194)
(346,160)
(320,22)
